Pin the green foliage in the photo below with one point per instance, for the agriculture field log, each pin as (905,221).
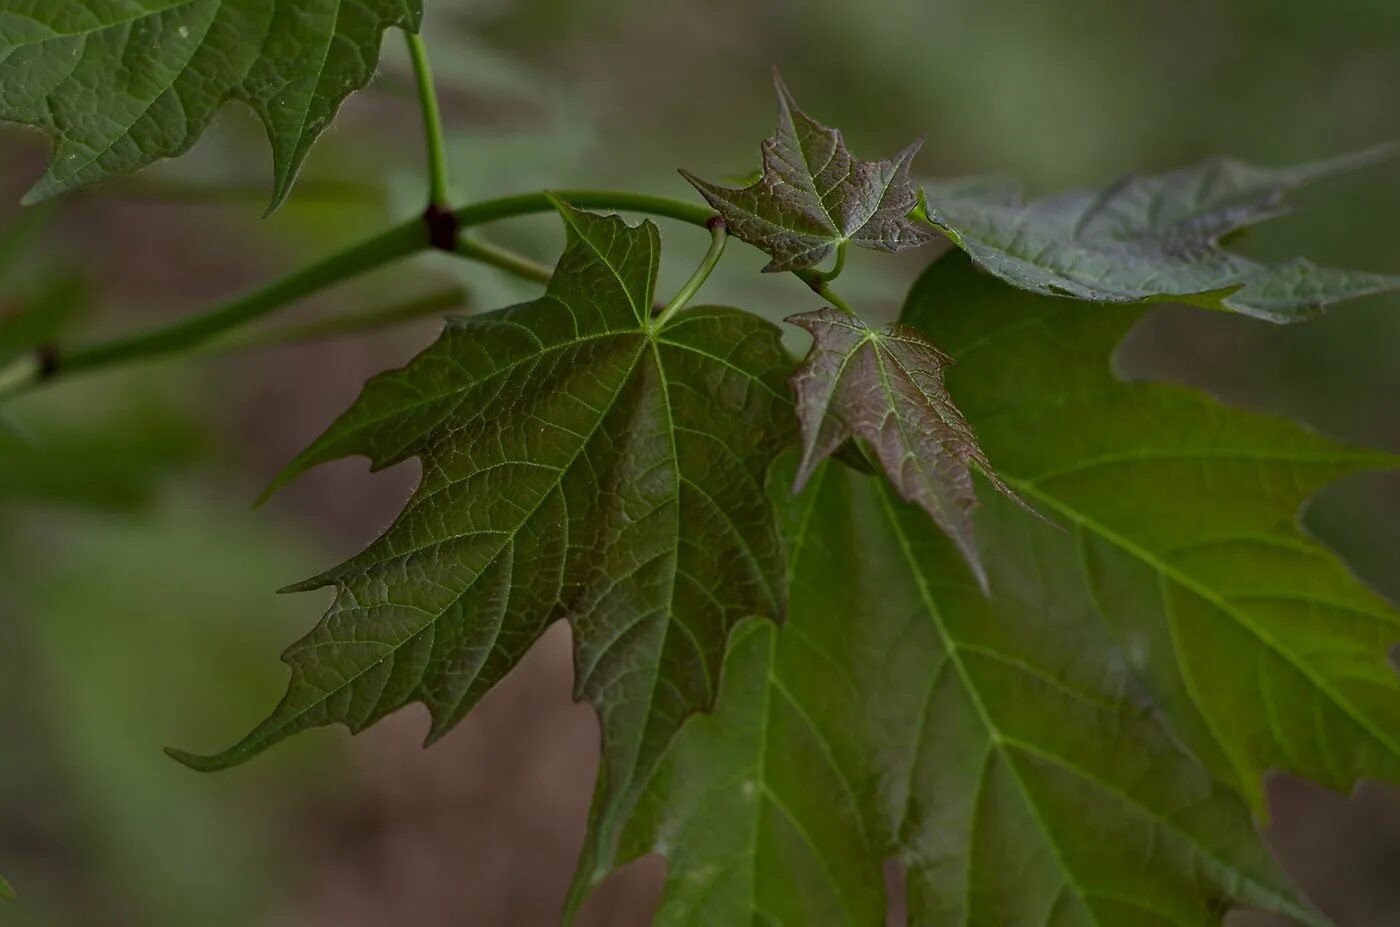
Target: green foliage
(814,197)
(1264,649)
(1156,237)
(901,712)
(1047,723)
(577,461)
(885,386)
(118,84)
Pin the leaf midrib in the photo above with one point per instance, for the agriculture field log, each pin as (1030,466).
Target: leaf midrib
(1000,742)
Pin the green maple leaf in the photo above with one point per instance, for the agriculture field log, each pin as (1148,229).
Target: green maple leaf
(118,84)
(6,891)
(814,197)
(577,463)
(1182,514)
(900,712)
(1155,237)
(885,386)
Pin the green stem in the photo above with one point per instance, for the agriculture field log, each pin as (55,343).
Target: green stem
(187,333)
(830,296)
(718,237)
(523,204)
(438,183)
(840,265)
(506,260)
(385,248)
(820,284)
(372,319)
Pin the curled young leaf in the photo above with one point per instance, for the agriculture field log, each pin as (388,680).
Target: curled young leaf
(814,196)
(1157,237)
(885,386)
(118,85)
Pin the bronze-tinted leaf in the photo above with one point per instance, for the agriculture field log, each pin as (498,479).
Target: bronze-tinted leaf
(885,386)
(814,196)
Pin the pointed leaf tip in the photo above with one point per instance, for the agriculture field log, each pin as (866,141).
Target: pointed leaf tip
(113,114)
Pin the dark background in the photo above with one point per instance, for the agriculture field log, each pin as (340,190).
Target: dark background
(136,584)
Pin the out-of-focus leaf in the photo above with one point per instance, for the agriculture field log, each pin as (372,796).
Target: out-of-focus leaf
(36,317)
(885,386)
(1182,513)
(90,447)
(118,84)
(814,196)
(577,462)
(1156,237)
(139,630)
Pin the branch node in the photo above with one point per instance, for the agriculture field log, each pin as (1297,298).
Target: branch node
(442,227)
(46,361)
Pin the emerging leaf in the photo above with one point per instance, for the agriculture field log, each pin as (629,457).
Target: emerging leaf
(814,196)
(577,464)
(1265,650)
(885,386)
(899,712)
(1156,238)
(118,85)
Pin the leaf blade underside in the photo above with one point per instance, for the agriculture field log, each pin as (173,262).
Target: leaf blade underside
(576,464)
(1157,237)
(900,712)
(118,84)
(814,196)
(1267,653)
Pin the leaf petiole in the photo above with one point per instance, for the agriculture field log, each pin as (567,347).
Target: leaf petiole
(438,183)
(719,235)
(503,259)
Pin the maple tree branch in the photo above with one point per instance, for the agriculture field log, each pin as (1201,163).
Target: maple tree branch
(433,303)
(397,243)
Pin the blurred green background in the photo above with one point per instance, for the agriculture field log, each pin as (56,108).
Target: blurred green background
(136,584)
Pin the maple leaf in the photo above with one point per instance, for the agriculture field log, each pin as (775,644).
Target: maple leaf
(814,197)
(1157,237)
(578,462)
(67,68)
(885,385)
(900,712)
(1182,514)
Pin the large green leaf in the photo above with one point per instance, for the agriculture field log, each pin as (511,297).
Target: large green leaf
(996,746)
(1154,237)
(1265,650)
(577,463)
(814,197)
(118,84)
